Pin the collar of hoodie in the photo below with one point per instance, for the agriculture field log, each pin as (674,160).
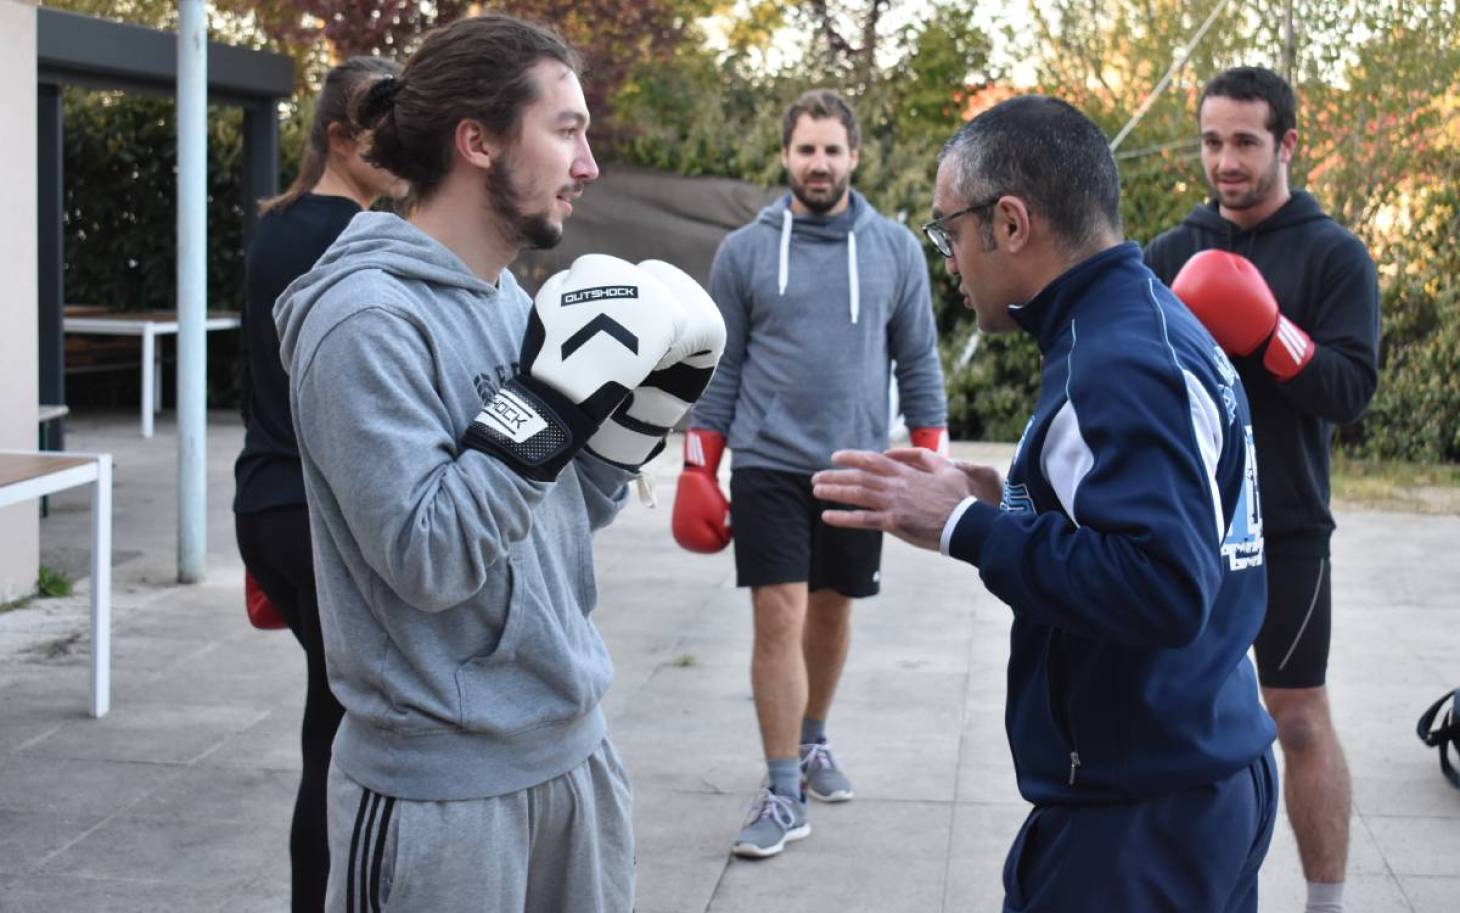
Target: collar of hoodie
(854,303)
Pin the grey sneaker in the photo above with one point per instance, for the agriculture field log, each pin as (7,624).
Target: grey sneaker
(773,820)
(823,777)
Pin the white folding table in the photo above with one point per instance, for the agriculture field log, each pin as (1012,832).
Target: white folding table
(148,325)
(29,474)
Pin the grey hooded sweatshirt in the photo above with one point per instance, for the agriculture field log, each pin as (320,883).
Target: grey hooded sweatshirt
(454,594)
(816,309)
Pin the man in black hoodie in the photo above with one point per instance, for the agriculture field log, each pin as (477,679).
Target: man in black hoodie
(1316,366)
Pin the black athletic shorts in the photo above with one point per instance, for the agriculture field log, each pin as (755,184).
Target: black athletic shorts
(1292,647)
(780,538)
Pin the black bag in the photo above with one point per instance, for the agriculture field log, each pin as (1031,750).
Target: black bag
(1444,736)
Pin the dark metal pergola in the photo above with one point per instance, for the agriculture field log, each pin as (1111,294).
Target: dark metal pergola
(99,54)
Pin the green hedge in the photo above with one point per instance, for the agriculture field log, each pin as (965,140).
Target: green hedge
(120,178)
(120,175)
(1416,412)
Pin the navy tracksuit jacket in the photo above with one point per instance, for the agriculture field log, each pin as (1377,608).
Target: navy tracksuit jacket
(1129,546)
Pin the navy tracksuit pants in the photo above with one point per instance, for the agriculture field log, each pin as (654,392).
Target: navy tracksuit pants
(1195,851)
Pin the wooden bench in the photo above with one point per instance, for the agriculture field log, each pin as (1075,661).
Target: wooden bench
(29,474)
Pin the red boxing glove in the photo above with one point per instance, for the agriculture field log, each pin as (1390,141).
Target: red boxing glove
(262,613)
(934,439)
(1228,295)
(701,518)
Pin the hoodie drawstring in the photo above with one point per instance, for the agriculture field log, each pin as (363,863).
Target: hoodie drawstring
(854,304)
(785,249)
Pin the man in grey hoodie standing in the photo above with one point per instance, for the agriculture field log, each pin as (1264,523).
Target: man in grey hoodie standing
(820,295)
(460,443)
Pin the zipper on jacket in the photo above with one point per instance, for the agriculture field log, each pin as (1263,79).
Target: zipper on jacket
(1059,712)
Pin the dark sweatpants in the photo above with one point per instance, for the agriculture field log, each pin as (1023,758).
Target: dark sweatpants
(1196,851)
(276,550)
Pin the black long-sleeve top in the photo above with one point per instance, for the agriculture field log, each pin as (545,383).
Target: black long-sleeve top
(1324,281)
(285,245)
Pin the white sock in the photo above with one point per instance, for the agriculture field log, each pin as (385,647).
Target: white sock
(1324,897)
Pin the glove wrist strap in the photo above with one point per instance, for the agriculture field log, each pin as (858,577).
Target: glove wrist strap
(531,427)
(1289,350)
(934,439)
(703,449)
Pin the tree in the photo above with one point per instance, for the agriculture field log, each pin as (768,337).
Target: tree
(157,14)
(612,35)
(351,27)
(703,114)
(832,26)
(1379,86)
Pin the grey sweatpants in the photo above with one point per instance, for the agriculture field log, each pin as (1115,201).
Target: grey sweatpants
(564,846)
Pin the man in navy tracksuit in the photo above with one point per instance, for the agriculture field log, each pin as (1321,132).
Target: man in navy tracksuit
(1127,538)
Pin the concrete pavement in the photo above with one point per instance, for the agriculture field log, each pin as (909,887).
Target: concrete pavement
(180,798)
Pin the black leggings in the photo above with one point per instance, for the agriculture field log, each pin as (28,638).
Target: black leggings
(276,550)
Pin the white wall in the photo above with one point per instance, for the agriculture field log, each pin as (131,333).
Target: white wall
(19,385)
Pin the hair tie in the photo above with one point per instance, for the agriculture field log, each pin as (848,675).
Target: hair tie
(381,97)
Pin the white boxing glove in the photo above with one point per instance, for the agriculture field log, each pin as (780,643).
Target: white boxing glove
(595,332)
(634,434)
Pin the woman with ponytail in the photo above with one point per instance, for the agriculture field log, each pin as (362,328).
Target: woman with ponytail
(334,184)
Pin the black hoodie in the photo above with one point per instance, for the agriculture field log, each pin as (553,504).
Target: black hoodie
(1324,281)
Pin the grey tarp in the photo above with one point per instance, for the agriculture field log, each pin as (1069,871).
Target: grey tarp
(639,215)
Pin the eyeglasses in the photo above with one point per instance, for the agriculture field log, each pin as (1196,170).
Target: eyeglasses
(937,230)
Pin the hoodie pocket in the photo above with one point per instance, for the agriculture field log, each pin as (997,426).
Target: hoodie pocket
(774,423)
(746,427)
(815,422)
(549,667)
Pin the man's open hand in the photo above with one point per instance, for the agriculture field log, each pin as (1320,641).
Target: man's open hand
(908,492)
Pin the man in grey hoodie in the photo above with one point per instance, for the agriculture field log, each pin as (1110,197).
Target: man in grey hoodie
(820,295)
(459,444)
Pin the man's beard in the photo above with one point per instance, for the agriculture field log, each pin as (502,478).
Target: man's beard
(820,205)
(535,231)
(1261,189)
